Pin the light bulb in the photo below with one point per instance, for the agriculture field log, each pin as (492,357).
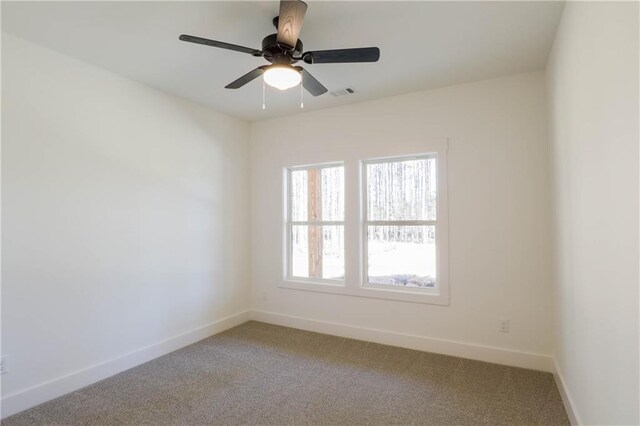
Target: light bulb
(282,77)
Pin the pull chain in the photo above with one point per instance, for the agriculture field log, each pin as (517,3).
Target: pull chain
(301,90)
(264,103)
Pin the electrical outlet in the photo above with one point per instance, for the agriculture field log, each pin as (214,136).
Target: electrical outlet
(265,296)
(504,325)
(4,368)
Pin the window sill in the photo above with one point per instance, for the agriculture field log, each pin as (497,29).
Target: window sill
(432,297)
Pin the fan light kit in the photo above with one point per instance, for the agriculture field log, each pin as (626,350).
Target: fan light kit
(284,49)
(282,77)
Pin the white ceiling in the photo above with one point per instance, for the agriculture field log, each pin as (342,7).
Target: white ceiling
(423,45)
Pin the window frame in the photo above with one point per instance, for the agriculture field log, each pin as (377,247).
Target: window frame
(352,160)
(290,223)
(365,223)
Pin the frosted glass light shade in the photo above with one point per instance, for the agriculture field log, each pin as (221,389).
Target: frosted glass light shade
(282,77)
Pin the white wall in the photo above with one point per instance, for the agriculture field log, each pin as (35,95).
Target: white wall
(125,216)
(593,103)
(499,214)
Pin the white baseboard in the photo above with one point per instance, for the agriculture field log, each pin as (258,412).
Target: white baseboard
(569,405)
(447,347)
(22,400)
(27,398)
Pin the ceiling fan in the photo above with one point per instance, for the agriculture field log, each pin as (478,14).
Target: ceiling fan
(284,49)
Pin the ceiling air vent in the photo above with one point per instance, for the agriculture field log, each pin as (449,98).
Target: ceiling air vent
(342,92)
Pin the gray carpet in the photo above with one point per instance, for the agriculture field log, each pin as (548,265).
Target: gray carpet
(263,374)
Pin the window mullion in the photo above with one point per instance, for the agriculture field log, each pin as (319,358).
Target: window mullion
(352,225)
(318,222)
(401,222)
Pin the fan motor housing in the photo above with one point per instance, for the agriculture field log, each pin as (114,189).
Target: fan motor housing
(275,53)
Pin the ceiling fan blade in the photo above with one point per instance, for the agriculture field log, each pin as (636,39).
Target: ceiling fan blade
(361,54)
(220,44)
(290,21)
(251,75)
(310,83)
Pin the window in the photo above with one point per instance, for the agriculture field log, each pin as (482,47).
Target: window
(400,223)
(394,246)
(315,223)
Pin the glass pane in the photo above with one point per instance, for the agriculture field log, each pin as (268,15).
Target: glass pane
(402,190)
(402,256)
(332,196)
(333,252)
(317,194)
(299,201)
(317,251)
(300,251)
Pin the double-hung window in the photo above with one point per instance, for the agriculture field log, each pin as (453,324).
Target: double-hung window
(315,223)
(400,223)
(398,241)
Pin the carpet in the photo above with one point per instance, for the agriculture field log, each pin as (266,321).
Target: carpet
(261,374)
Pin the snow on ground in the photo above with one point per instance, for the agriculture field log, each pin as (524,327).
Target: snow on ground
(390,263)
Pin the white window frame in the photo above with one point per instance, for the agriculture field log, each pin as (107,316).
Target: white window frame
(352,161)
(366,223)
(290,223)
